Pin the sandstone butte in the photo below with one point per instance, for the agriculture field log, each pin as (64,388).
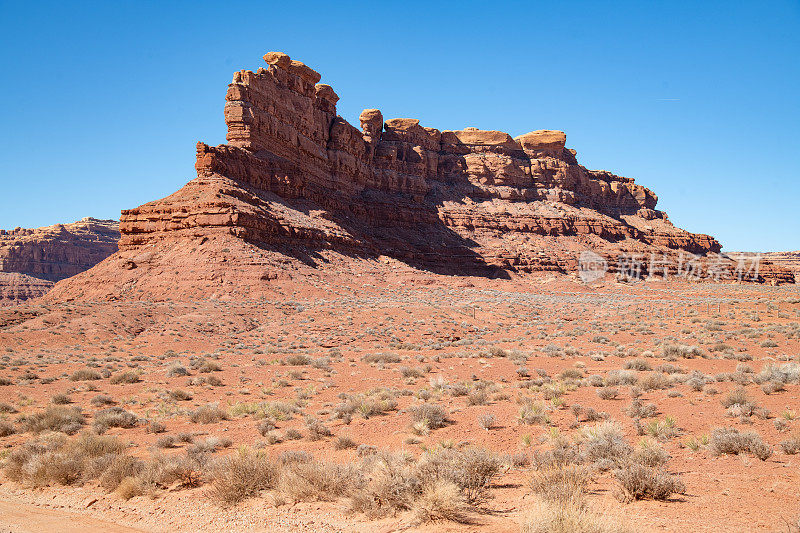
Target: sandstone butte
(297,190)
(31,260)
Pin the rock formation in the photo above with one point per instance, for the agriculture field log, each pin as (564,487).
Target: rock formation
(297,180)
(32,259)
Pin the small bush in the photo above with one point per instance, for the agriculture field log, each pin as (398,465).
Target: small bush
(607,393)
(126,377)
(549,517)
(55,418)
(114,417)
(433,416)
(730,441)
(641,482)
(241,476)
(442,500)
(208,414)
(85,374)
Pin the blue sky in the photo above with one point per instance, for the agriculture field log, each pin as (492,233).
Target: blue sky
(102,103)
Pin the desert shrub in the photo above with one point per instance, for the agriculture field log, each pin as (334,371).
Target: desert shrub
(620,377)
(604,444)
(639,482)
(130,487)
(60,399)
(533,414)
(85,374)
(737,396)
(343,443)
(649,453)
(431,415)
(638,364)
(477,397)
(673,351)
(731,441)
(662,429)
(549,517)
(101,400)
(471,469)
(638,409)
(381,358)
(241,476)
(60,461)
(309,480)
(54,418)
(6,428)
(785,373)
(442,500)
(129,376)
(607,393)
(265,426)
(297,360)
(293,434)
(180,395)
(177,370)
(408,372)
(316,429)
(561,483)
(791,446)
(208,414)
(165,441)
(487,421)
(655,381)
(114,417)
(121,467)
(209,366)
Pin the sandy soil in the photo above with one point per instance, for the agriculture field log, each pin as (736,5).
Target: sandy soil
(471,330)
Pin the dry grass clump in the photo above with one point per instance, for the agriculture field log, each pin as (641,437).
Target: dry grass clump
(561,483)
(114,417)
(551,517)
(130,487)
(381,358)
(208,414)
(85,374)
(432,416)
(443,484)
(442,500)
(533,413)
(305,479)
(674,351)
(61,461)
(127,377)
(607,393)
(604,444)
(316,429)
(791,446)
(55,418)
(60,399)
(731,441)
(641,482)
(6,428)
(241,476)
(374,403)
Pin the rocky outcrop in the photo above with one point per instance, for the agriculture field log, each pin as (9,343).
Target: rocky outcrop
(295,178)
(788,260)
(15,287)
(32,259)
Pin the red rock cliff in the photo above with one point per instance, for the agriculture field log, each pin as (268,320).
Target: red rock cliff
(297,178)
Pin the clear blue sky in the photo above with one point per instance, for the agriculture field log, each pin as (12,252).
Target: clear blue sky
(102,103)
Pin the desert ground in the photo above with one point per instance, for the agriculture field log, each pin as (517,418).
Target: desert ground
(397,399)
